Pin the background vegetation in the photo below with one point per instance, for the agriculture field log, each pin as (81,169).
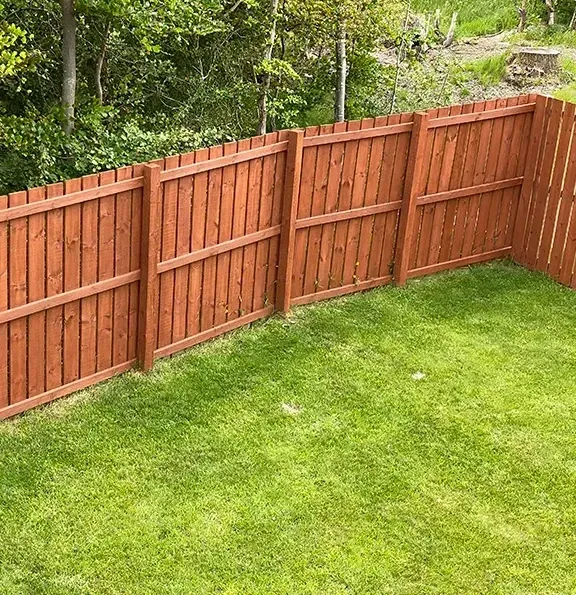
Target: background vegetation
(154,77)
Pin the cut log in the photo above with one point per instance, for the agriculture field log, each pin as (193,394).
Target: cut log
(544,60)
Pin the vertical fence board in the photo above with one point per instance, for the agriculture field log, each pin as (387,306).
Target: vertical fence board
(525,206)
(183,231)
(264,222)
(304,210)
(199,202)
(437,141)
(500,140)
(461,177)
(290,205)
(17,255)
(277,206)
(510,154)
(564,249)
(225,234)
(367,230)
(36,291)
(480,166)
(238,227)
(541,194)
(89,275)
(395,192)
(72,246)
(357,200)
(414,170)
(150,253)
(318,198)
(167,251)
(326,252)
(443,183)
(122,266)
(54,285)
(252,216)
(211,239)
(560,159)
(106,241)
(344,204)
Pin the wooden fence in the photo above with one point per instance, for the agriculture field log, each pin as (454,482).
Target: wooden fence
(113,270)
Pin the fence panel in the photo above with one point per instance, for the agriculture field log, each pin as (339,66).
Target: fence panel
(350,194)
(547,241)
(469,196)
(122,267)
(219,241)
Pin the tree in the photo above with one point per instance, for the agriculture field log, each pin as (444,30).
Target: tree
(551,8)
(345,32)
(69,74)
(267,74)
(341,74)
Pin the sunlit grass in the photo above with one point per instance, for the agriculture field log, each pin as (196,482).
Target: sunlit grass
(405,441)
(487,71)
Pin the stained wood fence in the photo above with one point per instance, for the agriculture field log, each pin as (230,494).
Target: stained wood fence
(111,271)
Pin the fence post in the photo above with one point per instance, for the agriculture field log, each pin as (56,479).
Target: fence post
(289,212)
(150,253)
(414,170)
(536,139)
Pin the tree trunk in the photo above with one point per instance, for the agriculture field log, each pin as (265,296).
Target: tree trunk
(451,32)
(437,28)
(551,7)
(68,63)
(342,72)
(100,65)
(523,16)
(267,79)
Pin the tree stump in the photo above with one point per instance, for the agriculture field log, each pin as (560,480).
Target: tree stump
(536,60)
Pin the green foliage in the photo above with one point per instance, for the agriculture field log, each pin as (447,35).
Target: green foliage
(196,479)
(568,92)
(34,150)
(14,55)
(176,73)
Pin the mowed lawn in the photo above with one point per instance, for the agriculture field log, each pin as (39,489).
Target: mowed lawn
(409,441)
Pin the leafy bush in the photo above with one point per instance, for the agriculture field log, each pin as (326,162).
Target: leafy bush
(34,150)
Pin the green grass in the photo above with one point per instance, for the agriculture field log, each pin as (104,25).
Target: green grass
(568,91)
(487,71)
(480,17)
(540,35)
(194,480)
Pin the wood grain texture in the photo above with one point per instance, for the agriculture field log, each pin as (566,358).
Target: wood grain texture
(117,268)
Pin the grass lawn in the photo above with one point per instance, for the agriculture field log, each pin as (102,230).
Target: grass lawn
(195,479)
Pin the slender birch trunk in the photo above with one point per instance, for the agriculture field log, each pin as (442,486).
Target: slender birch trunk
(68,63)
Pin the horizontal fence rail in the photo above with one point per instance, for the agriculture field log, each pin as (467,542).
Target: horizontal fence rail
(113,270)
